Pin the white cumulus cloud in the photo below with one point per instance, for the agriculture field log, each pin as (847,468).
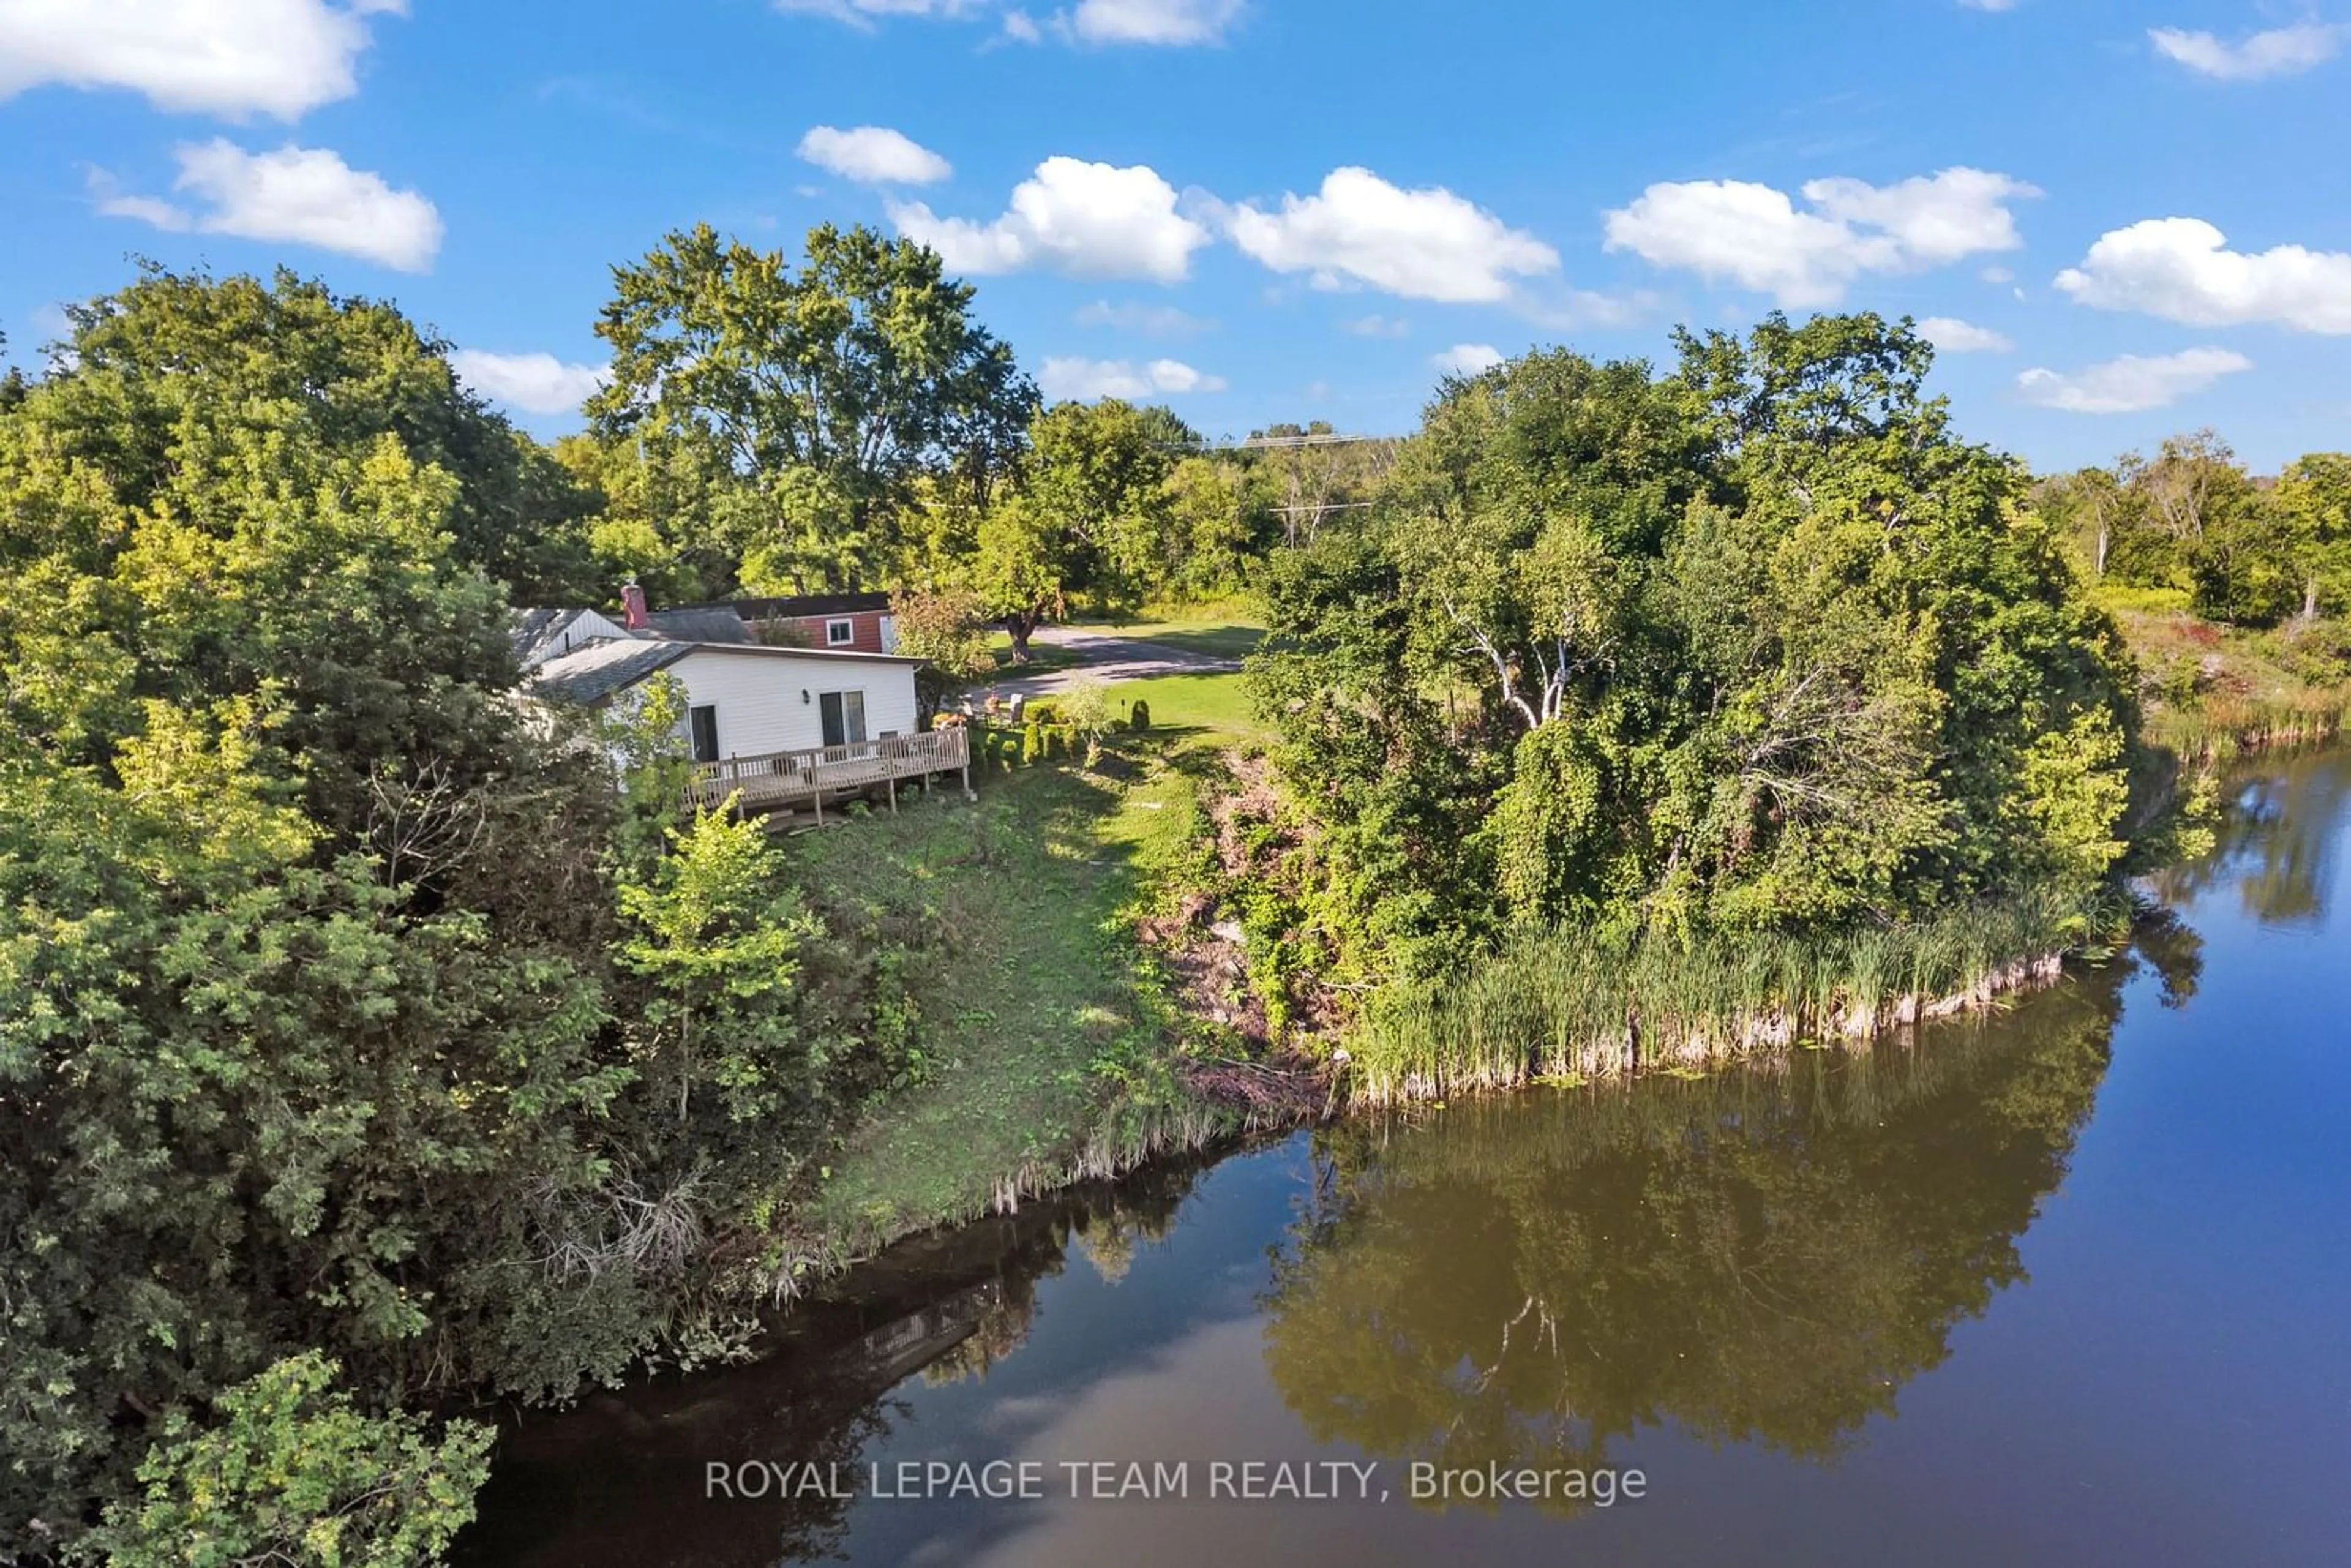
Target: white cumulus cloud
(2182,269)
(1467,359)
(534,383)
(1089,220)
(1756,236)
(873,155)
(2281,51)
(306,196)
(2131,384)
(1952,336)
(232,58)
(1068,377)
(1152,21)
(1427,244)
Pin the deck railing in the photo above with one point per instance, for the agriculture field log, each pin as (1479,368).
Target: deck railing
(780,778)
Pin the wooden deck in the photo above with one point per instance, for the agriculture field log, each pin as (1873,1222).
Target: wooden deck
(784,779)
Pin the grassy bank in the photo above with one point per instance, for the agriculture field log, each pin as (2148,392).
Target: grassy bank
(2213,692)
(1049,1049)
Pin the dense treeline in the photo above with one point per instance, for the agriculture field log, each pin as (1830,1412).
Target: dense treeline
(1657,714)
(2251,551)
(1755,645)
(851,424)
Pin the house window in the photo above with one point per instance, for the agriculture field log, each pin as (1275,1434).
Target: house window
(844,716)
(839,633)
(703,721)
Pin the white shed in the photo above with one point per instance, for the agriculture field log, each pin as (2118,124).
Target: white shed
(775,724)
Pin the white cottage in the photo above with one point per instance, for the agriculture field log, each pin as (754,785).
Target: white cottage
(777,725)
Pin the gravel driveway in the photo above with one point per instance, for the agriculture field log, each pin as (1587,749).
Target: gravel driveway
(1108,658)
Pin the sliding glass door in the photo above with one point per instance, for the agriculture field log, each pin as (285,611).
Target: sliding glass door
(844,716)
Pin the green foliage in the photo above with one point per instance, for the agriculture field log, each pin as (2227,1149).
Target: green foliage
(2248,553)
(292,1472)
(156,370)
(1088,519)
(719,938)
(302,933)
(948,629)
(1759,646)
(1561,1004)
(344,1003)
(1085,708)
(805,409)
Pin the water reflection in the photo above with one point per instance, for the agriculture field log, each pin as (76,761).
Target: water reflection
(2277,844)
(621,1477)
(1765,1255)
(1762,1256)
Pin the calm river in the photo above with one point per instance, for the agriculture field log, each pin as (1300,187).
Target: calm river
(2068,1285)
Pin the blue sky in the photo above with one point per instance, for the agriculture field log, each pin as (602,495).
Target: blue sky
(2133,218)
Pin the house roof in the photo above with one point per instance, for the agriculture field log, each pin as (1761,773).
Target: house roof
(591,675)
(587,675)
(530,627)
(794,607)
(701,623)
(540,634)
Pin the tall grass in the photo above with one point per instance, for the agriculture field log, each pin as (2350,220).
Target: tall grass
(2221,728)
(1559,1004)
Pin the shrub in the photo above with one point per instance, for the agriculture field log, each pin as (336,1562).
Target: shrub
(1043,713)
(1086,706)
(1139,720)
(1032,744)
(293,1473)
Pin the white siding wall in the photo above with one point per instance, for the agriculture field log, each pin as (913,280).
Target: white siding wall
(585,629)
(590,626)
(758,697)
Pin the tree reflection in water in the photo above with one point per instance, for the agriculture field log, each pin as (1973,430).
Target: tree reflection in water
(619,1480)
(1766,1256)
(2276,843)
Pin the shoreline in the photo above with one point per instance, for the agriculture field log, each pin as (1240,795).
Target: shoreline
(1227,1101)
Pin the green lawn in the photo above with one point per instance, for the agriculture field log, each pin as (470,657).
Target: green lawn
(1227,629)
(1031,1016)
(1208,704)
(1217,640)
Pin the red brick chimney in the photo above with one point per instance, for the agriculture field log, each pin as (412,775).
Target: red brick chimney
(632,601)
